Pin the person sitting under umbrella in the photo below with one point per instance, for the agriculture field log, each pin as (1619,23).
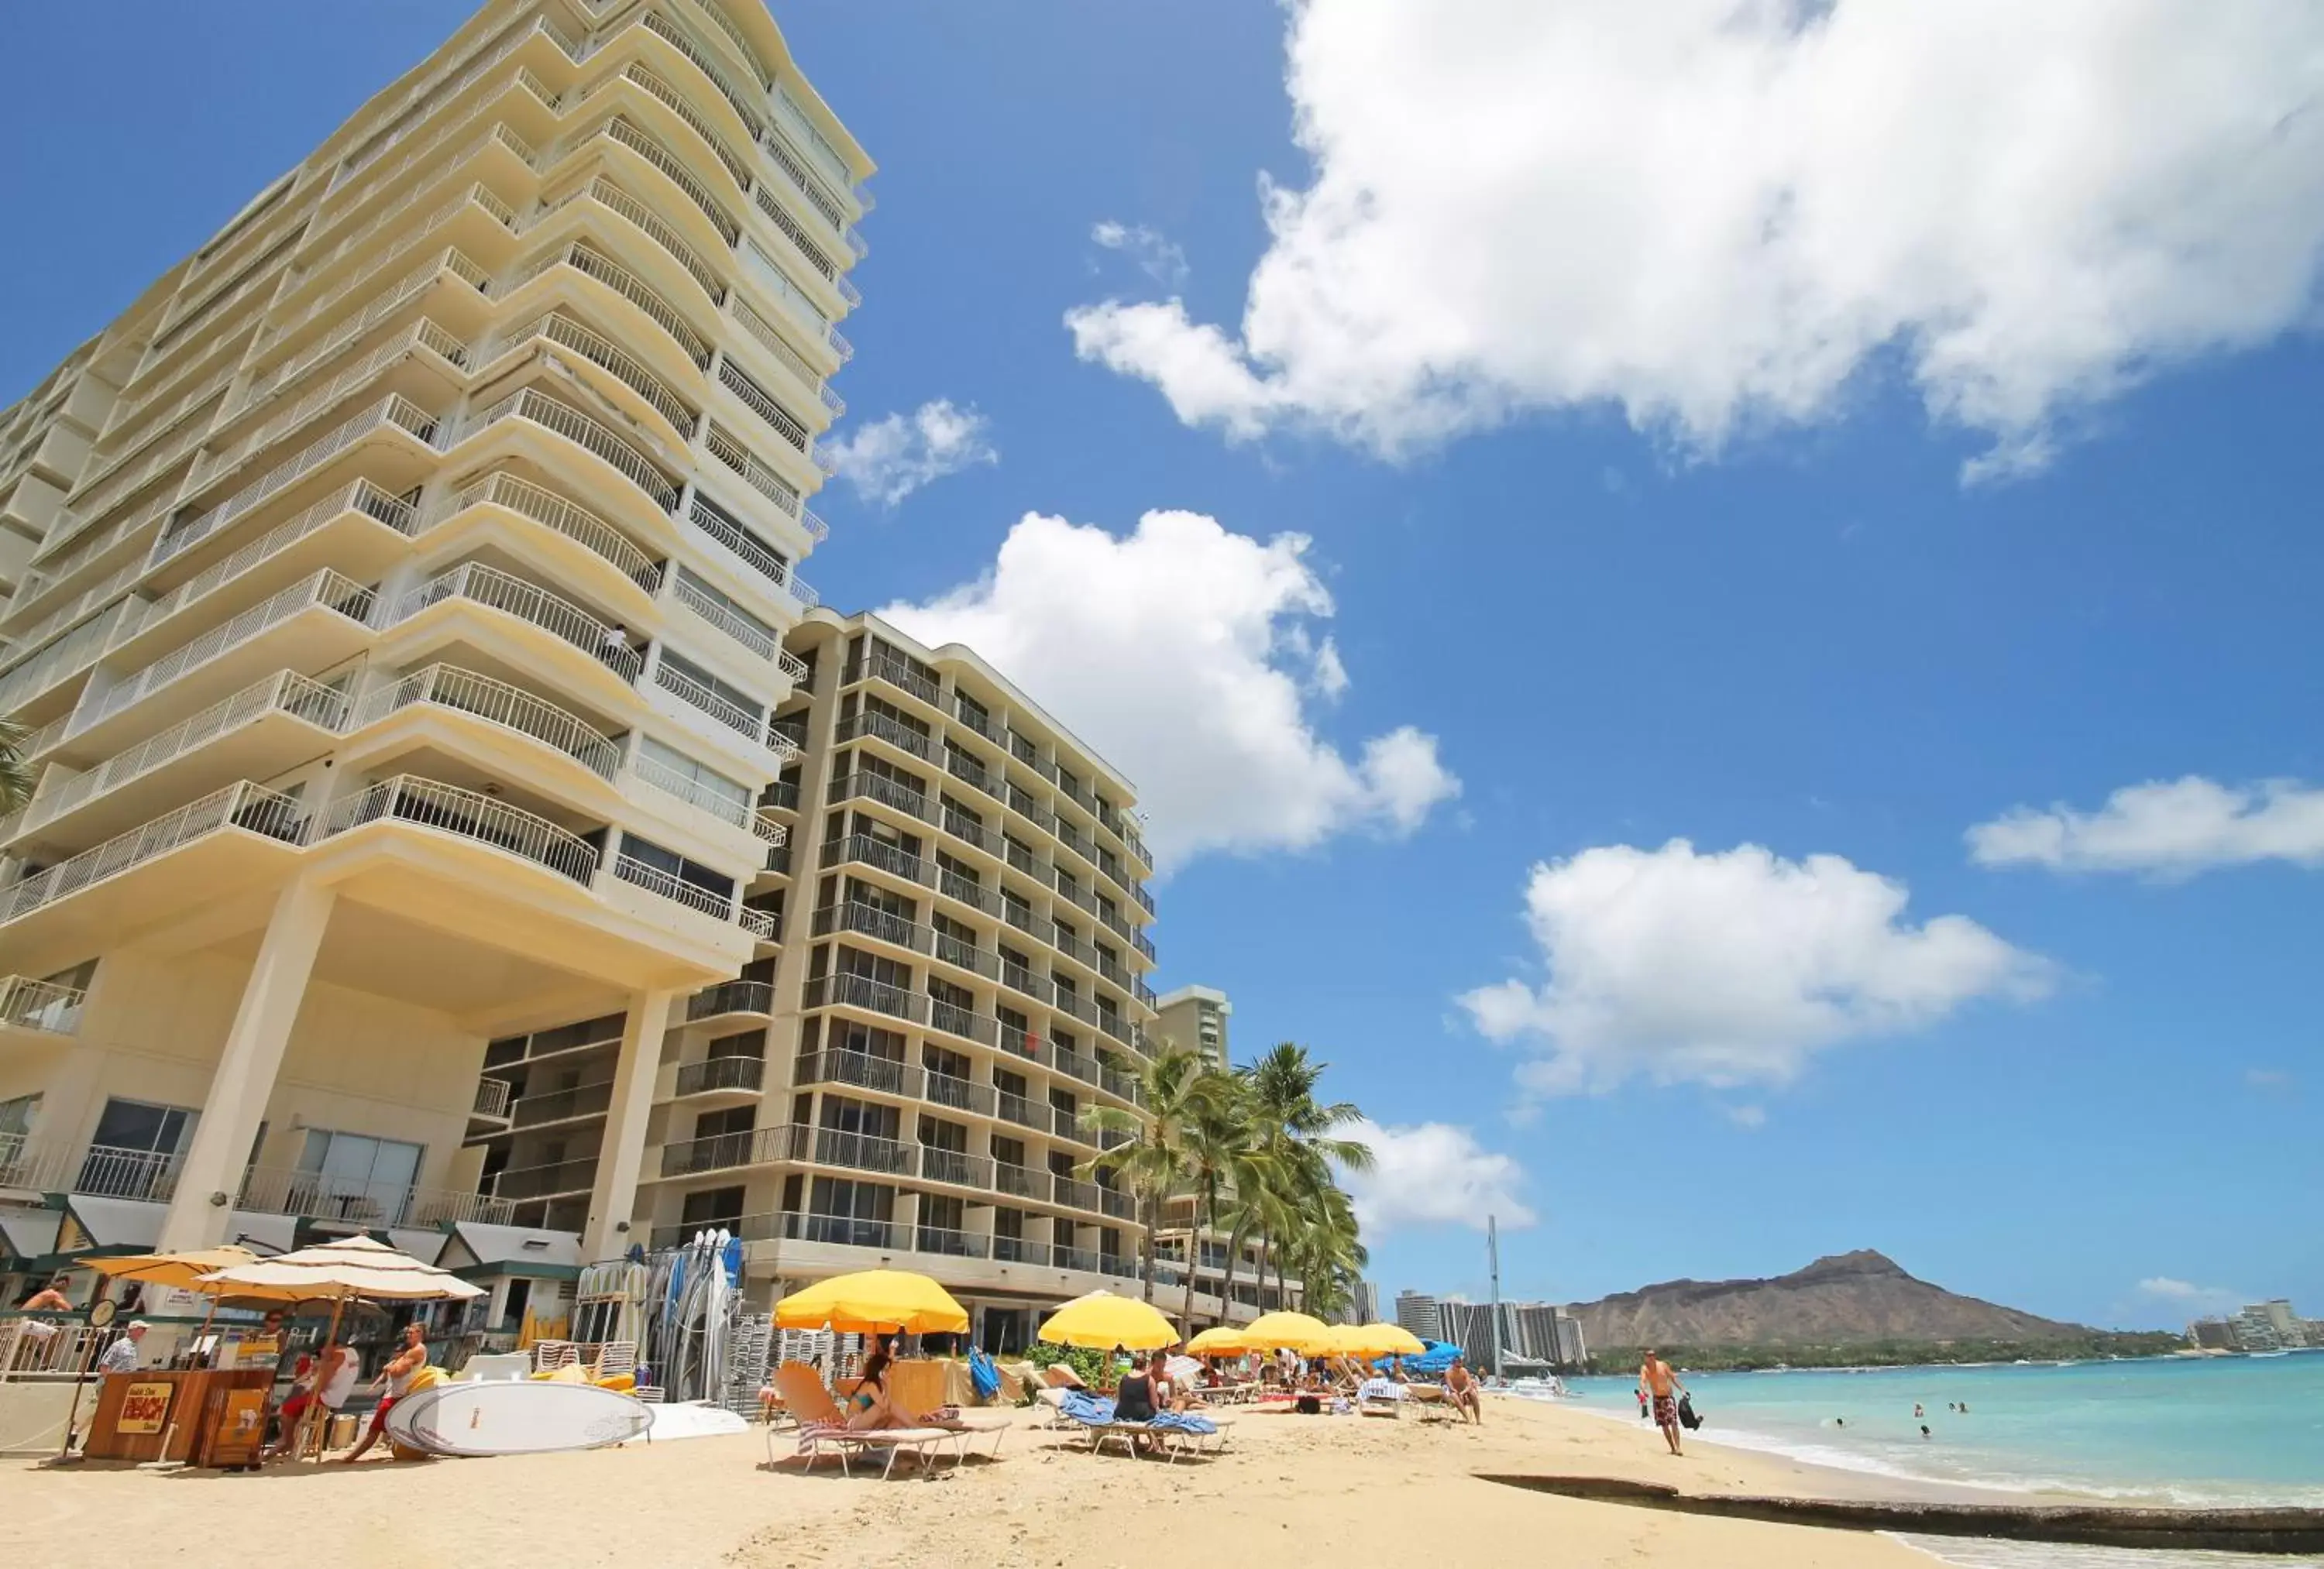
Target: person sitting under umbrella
(326,1384)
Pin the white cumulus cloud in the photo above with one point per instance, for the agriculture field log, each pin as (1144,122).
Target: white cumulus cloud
(2186,1297)
(1716,214)
(892,456)
(1181,653)
(1433,1174)
(2174,828)
(1158,257)
(1728,969)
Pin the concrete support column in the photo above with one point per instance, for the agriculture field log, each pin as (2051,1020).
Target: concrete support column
(622,1154)
(211,1173)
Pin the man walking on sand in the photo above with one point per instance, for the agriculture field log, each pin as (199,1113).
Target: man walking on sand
(1661,1381)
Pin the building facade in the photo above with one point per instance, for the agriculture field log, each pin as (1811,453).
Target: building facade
(957,980)
(398,598)
(1196,1017)
(1419,1313)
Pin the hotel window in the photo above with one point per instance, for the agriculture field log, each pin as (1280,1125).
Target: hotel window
(700,774)
(137,1148)
(356,1176)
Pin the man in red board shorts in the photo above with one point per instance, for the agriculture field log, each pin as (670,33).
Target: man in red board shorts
(397,1376)
(1661,1381)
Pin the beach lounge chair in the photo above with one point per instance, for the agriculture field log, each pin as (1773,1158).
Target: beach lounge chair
(1381,1397)
(916,1392)
(1173,1433)
(822,1427)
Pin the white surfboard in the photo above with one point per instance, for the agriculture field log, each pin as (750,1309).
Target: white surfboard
(692,1419)
(515,1418)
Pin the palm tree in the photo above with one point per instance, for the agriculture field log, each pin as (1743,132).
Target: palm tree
(1294,1133)
(16,769)
(1222,1162)
(1150,1157)
(1330,1255)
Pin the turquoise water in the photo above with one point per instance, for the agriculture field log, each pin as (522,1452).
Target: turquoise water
(2221,1430)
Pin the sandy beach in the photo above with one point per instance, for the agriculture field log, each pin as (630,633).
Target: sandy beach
(1349,1490)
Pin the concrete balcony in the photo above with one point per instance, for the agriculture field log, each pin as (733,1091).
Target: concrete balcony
(730,1000)
(270,1190)
(494,702)
(575,541)
(196,855)
(313,624)
(741,1077)
(268,726)
(150,1176)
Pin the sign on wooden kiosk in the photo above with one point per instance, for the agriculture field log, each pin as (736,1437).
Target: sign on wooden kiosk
(145,1408)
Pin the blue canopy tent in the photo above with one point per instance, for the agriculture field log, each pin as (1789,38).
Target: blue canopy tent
(1430,1362)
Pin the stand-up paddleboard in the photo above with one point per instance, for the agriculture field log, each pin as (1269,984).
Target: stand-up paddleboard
(515,1418)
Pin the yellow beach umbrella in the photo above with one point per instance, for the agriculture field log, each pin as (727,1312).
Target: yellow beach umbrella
(1224,1341)
(871,1300)
(1375,1340)
(185,1271)
(1290,1332)
(1101,1321)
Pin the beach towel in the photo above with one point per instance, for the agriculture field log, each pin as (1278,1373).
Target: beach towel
(982,1374)
(1182,1422)
(813,1427)
(1090,1411)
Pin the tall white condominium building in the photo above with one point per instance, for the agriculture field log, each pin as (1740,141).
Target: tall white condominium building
(1196,1017)
(400,587)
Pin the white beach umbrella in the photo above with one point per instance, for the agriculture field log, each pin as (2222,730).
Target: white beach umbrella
(354,1266)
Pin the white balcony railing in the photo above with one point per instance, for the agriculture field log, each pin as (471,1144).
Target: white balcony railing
(65,657)
(326,589)
(653,879)
(39,1004)
(492,1098)
(496,703)
(390,300)
(748,633)
(245,806)
(554,512)
(393,412)
(469,814)
(539,409)
(574,336)
(590,263)
(730,450)
(767,336)
(361,495)
(606,192)
(726,808)
(494,588)
(649,82)
(446,81)
(687,689)
(284,692)
(420,334)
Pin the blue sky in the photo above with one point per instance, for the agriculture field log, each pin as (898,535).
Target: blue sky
(1639,537)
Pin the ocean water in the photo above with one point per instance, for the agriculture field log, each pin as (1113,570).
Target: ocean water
(2213,1431)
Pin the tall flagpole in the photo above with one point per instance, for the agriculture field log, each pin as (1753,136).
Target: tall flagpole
(1493,1254)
